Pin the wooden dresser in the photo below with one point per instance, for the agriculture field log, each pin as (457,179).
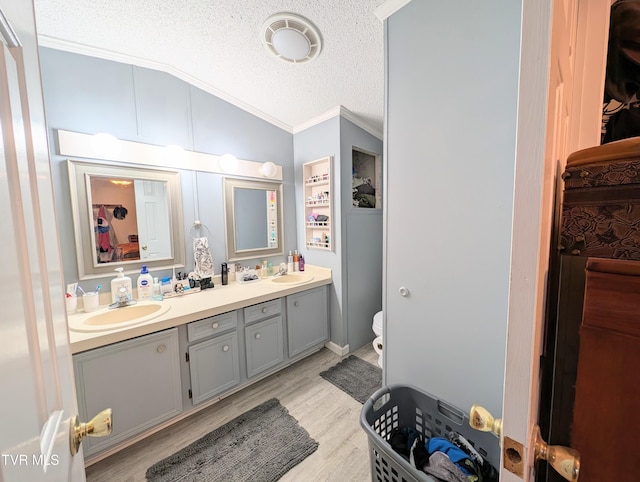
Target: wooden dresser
(606,421)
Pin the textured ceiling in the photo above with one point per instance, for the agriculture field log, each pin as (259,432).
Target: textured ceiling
(217,44)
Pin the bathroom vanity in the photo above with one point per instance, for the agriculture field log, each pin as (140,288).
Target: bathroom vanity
(206,346)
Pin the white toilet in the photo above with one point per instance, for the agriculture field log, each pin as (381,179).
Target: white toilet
(378,320)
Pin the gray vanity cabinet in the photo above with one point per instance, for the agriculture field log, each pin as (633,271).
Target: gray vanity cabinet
(214,363)
(264,336)
(307,322)
(139,379)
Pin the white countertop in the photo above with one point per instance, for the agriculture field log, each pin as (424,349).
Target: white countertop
(196,306)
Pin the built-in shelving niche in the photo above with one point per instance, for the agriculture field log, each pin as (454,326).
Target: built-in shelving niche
(318,211)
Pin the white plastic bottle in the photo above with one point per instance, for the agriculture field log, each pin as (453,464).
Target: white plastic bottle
(290,263)
(120,281)
(145,284)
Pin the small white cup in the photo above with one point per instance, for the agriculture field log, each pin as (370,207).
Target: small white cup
(72,304)
(90,301)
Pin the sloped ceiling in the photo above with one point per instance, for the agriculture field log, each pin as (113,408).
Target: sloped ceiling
(216,46)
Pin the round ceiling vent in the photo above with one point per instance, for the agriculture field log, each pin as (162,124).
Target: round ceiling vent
(291,38)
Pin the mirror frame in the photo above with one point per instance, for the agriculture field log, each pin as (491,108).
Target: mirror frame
(79,174)
(234,254)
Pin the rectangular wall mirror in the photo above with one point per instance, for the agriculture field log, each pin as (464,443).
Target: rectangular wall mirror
(253,218)
(125,216)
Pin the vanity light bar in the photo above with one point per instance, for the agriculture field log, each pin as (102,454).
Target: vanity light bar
(76,144)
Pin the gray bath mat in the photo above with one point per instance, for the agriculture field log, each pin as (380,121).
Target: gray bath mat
(260,445)
(357,377)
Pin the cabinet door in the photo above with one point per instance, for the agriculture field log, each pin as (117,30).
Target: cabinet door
(139,379)
(265,345)
(214,366)
(307,322)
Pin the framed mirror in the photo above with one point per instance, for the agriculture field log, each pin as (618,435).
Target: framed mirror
(253,218)
(125,216)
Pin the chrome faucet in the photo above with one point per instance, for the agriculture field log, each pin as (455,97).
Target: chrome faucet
(281,271)
(122,299)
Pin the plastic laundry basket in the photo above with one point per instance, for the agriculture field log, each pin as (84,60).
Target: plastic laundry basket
(406,406)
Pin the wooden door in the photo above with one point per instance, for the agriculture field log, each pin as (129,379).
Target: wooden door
(573,98)
(39,397)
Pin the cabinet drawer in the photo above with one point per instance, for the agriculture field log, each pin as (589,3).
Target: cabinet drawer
(265,345)
(262,310)
(211,326)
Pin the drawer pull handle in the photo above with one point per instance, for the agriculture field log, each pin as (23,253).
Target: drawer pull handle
(295,303)
(225,348)
(161,348)
(264,310)
(215,325)
(258,336)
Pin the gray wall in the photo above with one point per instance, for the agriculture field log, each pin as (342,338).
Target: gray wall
(316,142)
(362,230)
(451,130)
(90,95)
(356,259)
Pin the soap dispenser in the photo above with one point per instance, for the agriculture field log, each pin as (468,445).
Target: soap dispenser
(117,282)
(145,284)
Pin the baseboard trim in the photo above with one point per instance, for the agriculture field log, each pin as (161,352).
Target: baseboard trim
(337,349)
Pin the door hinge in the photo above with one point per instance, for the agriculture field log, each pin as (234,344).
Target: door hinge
(186,357)
(190,394)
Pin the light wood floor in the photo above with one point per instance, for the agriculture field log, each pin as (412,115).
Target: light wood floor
(329,415)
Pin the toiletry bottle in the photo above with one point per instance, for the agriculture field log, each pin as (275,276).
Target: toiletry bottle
(296,259)
(165,286)
(264,272)
(301,263)
(232,272)
(145,284)
(290,263)
(156,294)
(117,282)
(224,274)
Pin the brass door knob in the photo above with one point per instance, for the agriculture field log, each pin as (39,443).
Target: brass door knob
(565,460)
(98,426)
(482,420)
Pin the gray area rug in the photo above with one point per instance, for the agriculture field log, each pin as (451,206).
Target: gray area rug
(260,445)
(357,377)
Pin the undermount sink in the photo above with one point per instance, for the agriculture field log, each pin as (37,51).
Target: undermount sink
(110,319)
(292,279)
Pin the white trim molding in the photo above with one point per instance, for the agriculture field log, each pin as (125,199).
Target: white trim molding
(388,8)
(337,349)
(344,112)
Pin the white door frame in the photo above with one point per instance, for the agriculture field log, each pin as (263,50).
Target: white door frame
(528,272)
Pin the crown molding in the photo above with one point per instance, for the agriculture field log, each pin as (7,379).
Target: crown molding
(388,8)
(73,47)
(345,113)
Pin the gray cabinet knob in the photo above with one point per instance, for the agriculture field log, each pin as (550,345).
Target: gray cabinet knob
(161,348)
(403,291)
(144,247)
(258,336)
(225,348)
(264,310)
(295,303)
(215,325)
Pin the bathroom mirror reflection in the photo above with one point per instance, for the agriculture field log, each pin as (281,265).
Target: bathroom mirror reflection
(253,218)
(125,216)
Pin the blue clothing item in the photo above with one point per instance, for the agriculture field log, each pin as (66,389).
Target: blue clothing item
(455,454)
